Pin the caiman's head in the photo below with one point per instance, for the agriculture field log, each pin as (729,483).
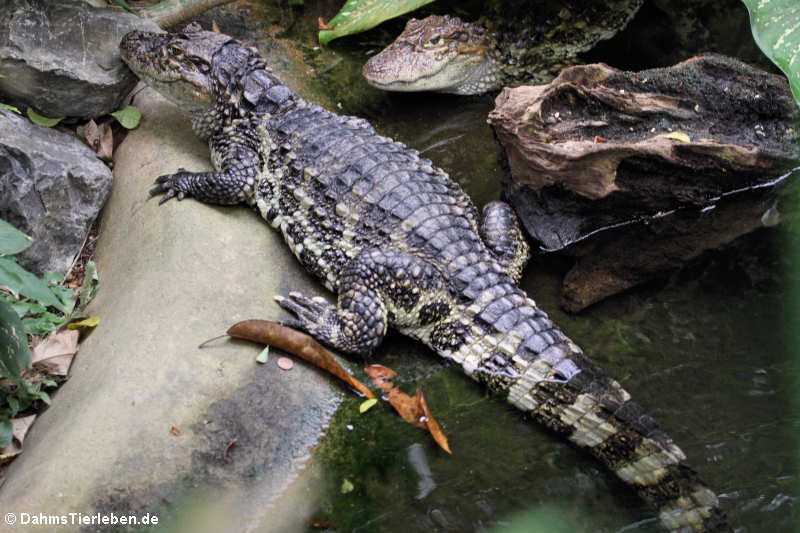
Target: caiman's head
(210,75)
(438,53)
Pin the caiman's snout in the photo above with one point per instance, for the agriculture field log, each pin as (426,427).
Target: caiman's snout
(136,45)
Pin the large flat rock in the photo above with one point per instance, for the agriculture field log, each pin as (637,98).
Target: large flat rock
(171,277)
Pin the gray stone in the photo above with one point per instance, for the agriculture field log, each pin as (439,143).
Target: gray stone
(62,58)
(171,277)
(52,186)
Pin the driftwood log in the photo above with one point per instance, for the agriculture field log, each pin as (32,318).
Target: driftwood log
(634,173)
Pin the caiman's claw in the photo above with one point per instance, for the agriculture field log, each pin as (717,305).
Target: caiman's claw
(171,185)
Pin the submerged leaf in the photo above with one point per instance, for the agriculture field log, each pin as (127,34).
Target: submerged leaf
(347,486)
(360,15)
(367,405)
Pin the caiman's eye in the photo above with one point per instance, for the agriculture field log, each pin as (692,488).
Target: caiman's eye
(174,50)
(436,39)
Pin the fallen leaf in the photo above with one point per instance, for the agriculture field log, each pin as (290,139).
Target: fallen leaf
(89,132)
(413,410)
(54,354)
(263,356)
(21,427)
(227,448)
(296,343)
(322,26)
(367,405)
(175,431)
(284,363)
(129,116)
(105,148)
(678,136)
(90,322)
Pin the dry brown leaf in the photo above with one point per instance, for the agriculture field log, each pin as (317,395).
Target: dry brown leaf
(90,133)
(322,26)
(54,354)
(175,431)
(295,343)
(413,410)
(105,147)
(21,427)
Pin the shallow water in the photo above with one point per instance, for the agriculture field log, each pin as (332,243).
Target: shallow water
(710,353)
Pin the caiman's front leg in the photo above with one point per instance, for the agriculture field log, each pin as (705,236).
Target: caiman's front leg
(238,157)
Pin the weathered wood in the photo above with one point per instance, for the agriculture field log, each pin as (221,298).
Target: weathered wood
(598,149)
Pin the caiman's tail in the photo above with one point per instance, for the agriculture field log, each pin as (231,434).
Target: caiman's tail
(512,346)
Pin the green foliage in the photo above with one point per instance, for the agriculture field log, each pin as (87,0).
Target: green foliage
(12,240)
(14,352)
(360,15)
(776,30)
(41,120)
(129,116)
(124,5)
(10,108)
(26,307)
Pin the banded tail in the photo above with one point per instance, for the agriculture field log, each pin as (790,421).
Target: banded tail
(513,347)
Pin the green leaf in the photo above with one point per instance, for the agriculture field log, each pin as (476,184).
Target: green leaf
(14,352)
(43,324)
(124,5)
(12,240)
(263,356)
(366,405)
(10,108)
(776,30)
(91,282)
(40,120)
(90,322)
(347,486)
(129,116)
(6,432)
(13,404)
(360,15)
(23,282)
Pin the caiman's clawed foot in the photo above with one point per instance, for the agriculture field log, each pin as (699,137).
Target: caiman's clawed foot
(172,185)
(309,313)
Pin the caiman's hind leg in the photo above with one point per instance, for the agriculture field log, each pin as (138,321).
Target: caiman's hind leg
(502,234)
(379,287)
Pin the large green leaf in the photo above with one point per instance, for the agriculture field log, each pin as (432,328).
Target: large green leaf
(360,15)
(6,432)
(14,351)
(12,240)
(23,282)
(776,30)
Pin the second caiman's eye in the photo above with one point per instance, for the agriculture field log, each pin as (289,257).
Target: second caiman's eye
(174,50)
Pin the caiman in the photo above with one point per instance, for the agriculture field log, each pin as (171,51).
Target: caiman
(404,247)
(445,54)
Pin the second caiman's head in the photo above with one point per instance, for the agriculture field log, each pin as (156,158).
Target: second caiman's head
(437,53)
(211,76)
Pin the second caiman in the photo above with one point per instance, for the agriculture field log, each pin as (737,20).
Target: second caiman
(404,247)
(523,44)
